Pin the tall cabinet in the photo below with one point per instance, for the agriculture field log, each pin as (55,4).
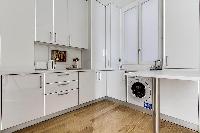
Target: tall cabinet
(181,34)
(98,35)
(17,34)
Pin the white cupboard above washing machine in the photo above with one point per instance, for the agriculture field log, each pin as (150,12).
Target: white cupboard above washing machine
(140,24)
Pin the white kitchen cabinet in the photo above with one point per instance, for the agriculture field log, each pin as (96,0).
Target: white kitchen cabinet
(17,34)
(61,22)
(100,84)
(78,23)
(92,85)
(98,36)
(149,32)
(116,85)
(86,86)
(130,35)
(61,91)
(60,101)
(181,35)
(112,37)
(44,21)
(22,99)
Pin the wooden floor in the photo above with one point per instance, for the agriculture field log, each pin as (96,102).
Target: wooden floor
(103,117)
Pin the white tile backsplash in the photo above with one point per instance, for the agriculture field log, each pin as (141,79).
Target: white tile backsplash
(43,53)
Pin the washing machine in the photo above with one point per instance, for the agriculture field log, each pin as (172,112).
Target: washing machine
(140,91)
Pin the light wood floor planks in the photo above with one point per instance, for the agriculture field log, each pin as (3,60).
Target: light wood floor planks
(103,117)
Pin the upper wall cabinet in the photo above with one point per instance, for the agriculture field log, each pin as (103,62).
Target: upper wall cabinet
(17,34)
(63,22)
(140,24)
(181,33)
(44,21)
(78,23)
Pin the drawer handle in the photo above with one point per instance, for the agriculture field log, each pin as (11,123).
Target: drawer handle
(63,75)
(63,94)
(63,84)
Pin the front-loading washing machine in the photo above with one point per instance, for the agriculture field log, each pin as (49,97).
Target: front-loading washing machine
(139,91)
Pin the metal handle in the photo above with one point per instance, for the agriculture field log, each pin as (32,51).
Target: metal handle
(166,60)
(69,40)
(50,36)
(63,84)
(63,75)
(40,81)
(100,75)
(63,94)
(55,37)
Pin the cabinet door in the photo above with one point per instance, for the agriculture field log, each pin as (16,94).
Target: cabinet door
(44,21)
(131,36)
(181,33)
(17,34)
(149,32)
(61,101)
(116,85)
(23,99)
(98,35)
(86,86)
(115,37)
(78,21)
(61,21)
(100,84)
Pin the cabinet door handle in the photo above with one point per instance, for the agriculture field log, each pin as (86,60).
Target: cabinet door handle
(69,40)
(63,75)
(166,60)
(63,84)
(55,37)
(63,94)
(50,36)
(99,75)
(40,81)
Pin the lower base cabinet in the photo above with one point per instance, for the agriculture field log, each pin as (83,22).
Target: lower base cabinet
(116,85)
(60,101)
(22,99)
(92,85)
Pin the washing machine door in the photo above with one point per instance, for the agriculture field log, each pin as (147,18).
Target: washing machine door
(138,89)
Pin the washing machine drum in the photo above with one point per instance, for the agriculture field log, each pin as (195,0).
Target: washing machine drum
(138,89)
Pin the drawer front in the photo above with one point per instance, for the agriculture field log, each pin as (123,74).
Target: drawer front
(61,86)
(61,101)
(61,77)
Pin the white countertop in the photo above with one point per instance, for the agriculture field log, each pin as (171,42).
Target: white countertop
(193,75)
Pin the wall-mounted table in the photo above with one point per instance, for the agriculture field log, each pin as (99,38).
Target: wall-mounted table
(187,75)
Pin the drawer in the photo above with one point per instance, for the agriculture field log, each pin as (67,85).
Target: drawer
(61,86)
(61,101)
(61,77)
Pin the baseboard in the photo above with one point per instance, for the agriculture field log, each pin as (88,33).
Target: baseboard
(182,123)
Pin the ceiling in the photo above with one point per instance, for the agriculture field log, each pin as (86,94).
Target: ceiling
(120,3)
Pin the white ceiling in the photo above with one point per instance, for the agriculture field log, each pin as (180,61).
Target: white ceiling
(119,3)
